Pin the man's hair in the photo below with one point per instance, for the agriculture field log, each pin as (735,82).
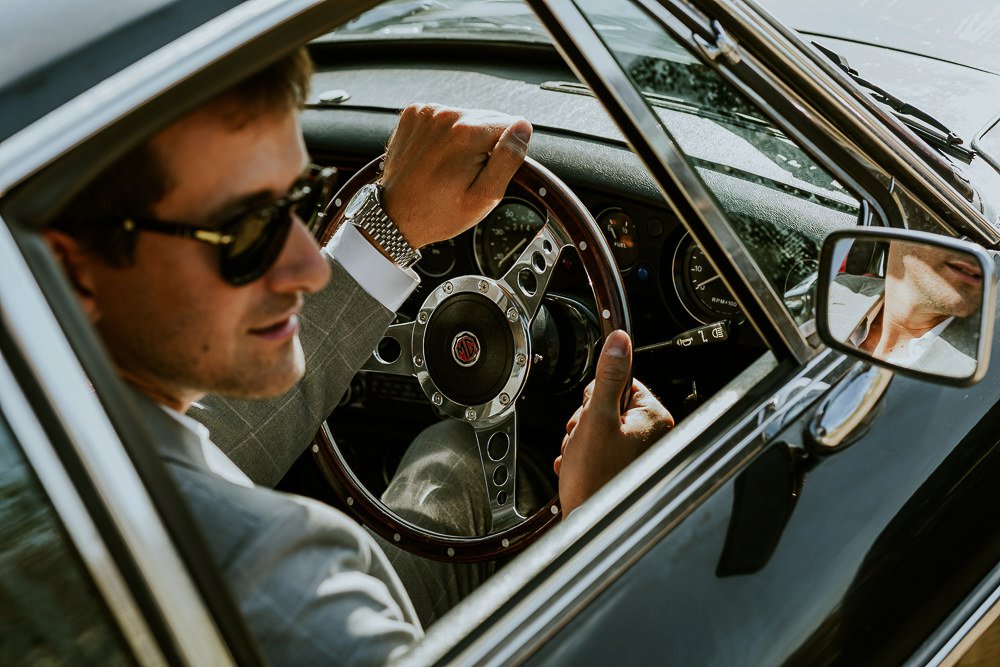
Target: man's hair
(137,180)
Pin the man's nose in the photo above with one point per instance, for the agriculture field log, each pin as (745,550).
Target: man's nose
(300,267)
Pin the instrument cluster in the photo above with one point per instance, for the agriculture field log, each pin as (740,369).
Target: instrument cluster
(661,265)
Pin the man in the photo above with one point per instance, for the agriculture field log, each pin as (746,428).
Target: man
(919,316)
(192,258)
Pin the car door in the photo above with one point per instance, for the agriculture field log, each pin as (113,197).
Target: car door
(92,572)
(745,542)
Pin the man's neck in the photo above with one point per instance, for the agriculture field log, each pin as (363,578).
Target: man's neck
(176,400)
(891,331)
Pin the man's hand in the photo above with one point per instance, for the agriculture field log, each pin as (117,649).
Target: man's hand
(600,440)
(447,168)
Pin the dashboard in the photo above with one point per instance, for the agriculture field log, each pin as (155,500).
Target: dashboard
(671,287)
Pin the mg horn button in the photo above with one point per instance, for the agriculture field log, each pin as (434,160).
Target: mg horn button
(469,349)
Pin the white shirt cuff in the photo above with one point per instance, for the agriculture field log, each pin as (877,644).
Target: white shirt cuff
(382,278)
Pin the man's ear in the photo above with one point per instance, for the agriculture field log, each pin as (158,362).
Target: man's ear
(77,263)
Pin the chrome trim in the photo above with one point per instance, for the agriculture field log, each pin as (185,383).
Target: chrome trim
(109,101)
(832,87)
(556,583)
(494,411)
(848,404)
(963,627)
(37,335)
(993,160)
(672,159)
(74,518)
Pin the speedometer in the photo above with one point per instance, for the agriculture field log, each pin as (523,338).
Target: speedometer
(699,286)
(504,234)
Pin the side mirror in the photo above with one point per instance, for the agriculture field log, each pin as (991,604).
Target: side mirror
(918,303)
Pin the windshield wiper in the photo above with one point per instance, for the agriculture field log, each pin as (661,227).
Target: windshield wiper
(929,129)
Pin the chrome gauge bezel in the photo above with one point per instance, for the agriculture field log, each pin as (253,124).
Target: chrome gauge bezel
(481,229)
(683,288)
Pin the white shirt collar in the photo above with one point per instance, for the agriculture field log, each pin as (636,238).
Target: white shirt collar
(216,460)
(914,349)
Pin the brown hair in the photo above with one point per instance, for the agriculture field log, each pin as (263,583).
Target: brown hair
(136,181)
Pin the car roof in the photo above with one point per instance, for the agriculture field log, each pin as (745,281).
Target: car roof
(53,50)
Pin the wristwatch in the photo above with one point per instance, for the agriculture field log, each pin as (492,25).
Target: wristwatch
(365,212)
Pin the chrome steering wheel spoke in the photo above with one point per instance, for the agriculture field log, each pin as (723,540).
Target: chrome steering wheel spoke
(529,276)
(498,451)
(404,364)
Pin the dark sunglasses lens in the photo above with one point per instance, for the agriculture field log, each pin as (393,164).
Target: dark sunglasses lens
(258,240)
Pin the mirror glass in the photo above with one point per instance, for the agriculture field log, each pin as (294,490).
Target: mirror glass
(907,300)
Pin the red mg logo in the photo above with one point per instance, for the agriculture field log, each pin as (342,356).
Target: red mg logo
(465,349)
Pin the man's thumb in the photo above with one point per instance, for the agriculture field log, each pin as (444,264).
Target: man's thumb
(614,369)
(506,156)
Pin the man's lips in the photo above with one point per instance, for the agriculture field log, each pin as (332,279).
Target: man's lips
(280,330)
(964,272)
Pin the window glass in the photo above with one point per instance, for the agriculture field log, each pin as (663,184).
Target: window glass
(50,612)
(779,200)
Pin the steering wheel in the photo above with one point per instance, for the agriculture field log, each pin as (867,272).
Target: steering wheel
(470,349)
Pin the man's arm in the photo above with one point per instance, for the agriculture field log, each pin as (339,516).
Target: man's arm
(601,440)
(445,170)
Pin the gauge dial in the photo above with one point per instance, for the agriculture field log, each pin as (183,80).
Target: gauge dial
(437,259)
(699,286)
(620,231)
(504,234)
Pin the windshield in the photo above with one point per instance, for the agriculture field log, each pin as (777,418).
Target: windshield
(505,20)
(445,19)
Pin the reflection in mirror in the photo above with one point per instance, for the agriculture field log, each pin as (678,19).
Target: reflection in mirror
(911,300)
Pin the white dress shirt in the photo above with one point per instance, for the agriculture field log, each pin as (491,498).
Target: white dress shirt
(382,278)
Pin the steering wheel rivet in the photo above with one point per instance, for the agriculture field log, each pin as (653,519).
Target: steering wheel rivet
(504,399)
(337,202)
(350,501)
(505,542)
(512,314)
(396,537)
(315,449)
(451,552)
(418,361)
(422,317)
(470,414)
(542,192)
(484,286)
(448,288)
(521,359)
(437,398)
(554,510)
(606,314)
(583,245)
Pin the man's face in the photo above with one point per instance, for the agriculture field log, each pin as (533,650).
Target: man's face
(175,328)
(938,281)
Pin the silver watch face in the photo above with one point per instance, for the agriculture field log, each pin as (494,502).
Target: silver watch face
(358,200)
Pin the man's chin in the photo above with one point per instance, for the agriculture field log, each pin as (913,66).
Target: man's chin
(261,382)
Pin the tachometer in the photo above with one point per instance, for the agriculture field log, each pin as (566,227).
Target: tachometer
(504,234)
(699,286)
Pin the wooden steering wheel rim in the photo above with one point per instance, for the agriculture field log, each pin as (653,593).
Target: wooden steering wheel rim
(562,207)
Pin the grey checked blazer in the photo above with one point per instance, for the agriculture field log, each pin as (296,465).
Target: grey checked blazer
(312,584)
(341,325)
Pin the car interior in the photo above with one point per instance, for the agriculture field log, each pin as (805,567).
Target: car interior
(690,335)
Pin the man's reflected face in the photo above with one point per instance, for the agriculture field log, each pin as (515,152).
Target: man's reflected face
(941,282)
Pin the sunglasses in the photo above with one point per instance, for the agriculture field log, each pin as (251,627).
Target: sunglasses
(251,240)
